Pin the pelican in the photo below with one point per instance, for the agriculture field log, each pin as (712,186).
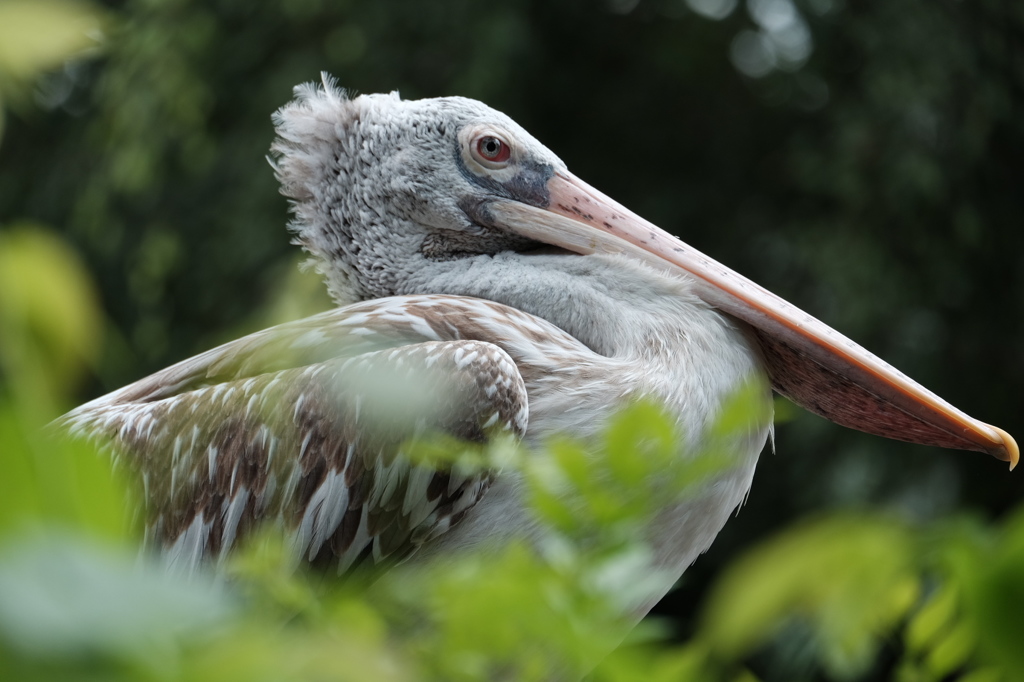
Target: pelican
(460,249)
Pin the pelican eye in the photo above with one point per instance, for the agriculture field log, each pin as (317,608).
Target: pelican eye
(493,149)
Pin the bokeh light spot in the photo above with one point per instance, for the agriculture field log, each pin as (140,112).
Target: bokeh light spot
(712,9)
(752,54)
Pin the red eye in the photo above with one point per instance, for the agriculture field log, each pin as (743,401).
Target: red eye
(493,149)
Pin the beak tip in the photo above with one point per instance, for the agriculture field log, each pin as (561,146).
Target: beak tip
(1007,449)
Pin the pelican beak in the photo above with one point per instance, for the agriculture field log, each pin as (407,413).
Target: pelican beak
(808,361)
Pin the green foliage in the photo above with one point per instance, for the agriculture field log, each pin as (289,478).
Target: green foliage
(40,34)
(853,578)
(49,323)
(48,314)
(986,563)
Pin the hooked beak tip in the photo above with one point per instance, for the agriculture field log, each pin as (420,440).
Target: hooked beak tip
(1010,452)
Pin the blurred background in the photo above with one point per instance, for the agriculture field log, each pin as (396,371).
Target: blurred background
(864,160)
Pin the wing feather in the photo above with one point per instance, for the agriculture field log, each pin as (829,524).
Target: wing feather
(221,443)
(535,345)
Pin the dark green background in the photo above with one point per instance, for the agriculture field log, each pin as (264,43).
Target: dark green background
(877,185)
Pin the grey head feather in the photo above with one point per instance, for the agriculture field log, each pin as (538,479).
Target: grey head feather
(378,188)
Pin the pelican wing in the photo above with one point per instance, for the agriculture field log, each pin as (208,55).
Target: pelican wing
(305,424)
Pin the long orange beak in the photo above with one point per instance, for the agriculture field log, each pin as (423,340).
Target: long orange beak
(808,361)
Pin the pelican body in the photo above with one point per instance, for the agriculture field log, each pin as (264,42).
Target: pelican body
(465,257)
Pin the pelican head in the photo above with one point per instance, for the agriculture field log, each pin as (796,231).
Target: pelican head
(382,186)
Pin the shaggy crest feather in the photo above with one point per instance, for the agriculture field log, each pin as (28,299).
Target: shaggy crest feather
(319,142)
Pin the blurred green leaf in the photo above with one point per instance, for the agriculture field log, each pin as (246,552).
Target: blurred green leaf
(640,440)
(934,617)
(61,596)
(747,410)
(987,565)
(50,326)
(36,35)
(550,623)
(983,675)
(951,652)
(39,34)
(50,318)
(67,483)
(851,577)
(644,661)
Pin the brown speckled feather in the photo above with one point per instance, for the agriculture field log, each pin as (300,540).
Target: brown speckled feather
(304,424)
